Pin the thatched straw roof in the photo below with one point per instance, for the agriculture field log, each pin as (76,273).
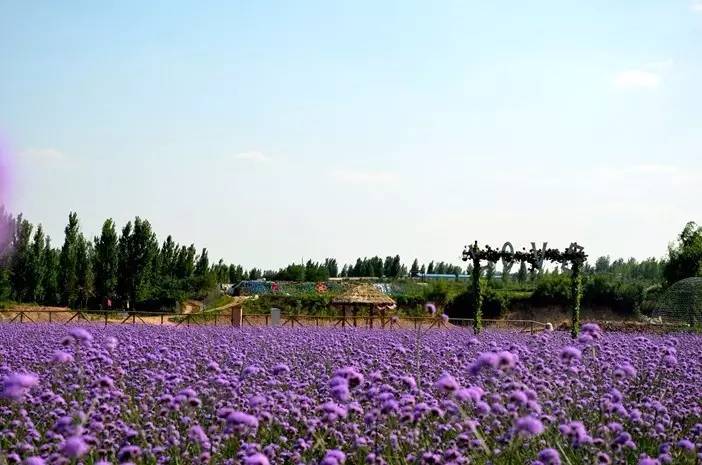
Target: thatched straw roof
(364,294)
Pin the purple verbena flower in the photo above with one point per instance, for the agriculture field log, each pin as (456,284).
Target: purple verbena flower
(334,457)
(16,385)
(446,384)
(74,447)
(529,426)
(549,457)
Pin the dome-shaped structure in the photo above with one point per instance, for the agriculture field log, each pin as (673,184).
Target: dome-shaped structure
(682,302)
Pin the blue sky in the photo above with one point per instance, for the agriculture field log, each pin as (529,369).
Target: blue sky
(272,131)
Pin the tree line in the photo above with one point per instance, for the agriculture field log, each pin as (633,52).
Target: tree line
(130,265)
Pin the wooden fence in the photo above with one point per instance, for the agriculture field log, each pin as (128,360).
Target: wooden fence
(263,319)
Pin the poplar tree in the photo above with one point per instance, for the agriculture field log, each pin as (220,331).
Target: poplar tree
(68,262)
(36,267)
(84,271)
(105,261)
(20,266)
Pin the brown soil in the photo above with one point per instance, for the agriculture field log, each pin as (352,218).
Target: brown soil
(558,314)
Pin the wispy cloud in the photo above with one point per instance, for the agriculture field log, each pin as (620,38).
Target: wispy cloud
(696,6)
(43,154)
(254,157)
(637,79)
(367,178)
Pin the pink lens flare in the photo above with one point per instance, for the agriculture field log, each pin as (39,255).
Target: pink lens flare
(4,170)
(4,190)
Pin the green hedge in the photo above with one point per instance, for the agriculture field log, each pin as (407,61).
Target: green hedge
(624,296)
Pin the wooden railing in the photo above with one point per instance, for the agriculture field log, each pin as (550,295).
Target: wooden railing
(261,319)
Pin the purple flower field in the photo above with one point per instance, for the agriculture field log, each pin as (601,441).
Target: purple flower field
(149,394)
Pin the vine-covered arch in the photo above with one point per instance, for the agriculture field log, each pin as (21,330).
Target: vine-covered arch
(571,259)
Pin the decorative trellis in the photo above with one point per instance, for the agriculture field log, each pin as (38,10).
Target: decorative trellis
(681,303)
(574,255)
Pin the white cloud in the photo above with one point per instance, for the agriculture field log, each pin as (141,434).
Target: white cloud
(43,154)
(255,157)
(696,6)
(367,178)
(636,79)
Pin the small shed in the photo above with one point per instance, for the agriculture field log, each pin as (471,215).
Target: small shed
(364,296)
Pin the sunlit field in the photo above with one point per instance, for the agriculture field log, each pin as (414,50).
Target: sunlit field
(148,394)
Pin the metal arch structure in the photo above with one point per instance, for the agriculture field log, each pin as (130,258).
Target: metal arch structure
(574,255)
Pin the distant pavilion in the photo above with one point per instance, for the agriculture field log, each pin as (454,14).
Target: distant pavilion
(361,297)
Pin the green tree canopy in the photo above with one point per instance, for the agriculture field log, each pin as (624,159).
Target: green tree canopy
(685,256)
(68,262)
(37,267)
(21,263)
(105,261)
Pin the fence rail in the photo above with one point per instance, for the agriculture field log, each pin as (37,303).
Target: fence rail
(261,319)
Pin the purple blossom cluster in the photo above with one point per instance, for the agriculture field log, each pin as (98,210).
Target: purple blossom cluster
(259,396)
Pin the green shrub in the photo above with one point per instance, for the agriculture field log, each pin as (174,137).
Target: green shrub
(552,289)
(616,293)
(438,293)
(495,304)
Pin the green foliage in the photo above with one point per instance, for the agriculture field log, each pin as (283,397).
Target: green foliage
(215,299)
(50,279)
(68,262)
(414,270)
(137,249)
(168,257)
(506,278)
(332,267)
(203,264)
(477,297)
(685,257)
(649,270)
(236,273)
(438,293)
(552,289)
(133,267)
(620,294)
(184,266)
(129,268)
(576,291)
(490,272)
(84,271)
(607,290)
(105,261)
(21,262)
(315,272)
(522,274)
(494,304)
(221,272)
(37,266)
(5,284)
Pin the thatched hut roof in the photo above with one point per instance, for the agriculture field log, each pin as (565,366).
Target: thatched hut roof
(364,294)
